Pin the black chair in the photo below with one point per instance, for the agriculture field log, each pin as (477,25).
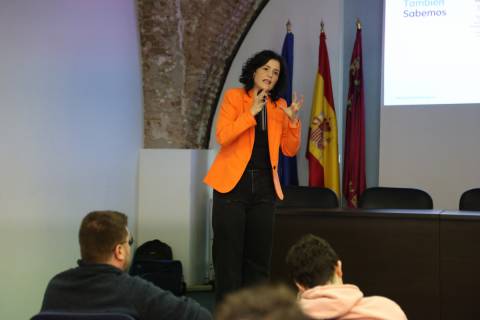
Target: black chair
(470,200)
(308,197)
(53,315)
(395,198)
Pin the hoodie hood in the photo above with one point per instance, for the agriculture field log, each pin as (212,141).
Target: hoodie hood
(346,301)
(330,301)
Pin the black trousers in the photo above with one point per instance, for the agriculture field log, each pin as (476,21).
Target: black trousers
(242,222)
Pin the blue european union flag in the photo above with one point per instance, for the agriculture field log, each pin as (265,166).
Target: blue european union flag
(288,165)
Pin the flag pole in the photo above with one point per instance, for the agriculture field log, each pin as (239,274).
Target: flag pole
(322,153)
(354,175)
(287,166)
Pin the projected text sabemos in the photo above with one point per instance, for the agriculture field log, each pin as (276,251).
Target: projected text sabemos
(424,8)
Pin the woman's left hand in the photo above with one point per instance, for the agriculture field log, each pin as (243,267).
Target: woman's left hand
(292,111)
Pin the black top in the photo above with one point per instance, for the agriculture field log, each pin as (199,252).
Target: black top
(104,288)
(260,158)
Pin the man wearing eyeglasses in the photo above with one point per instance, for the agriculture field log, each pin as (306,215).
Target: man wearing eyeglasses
(100,283)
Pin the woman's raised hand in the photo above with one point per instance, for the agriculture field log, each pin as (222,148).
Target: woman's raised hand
(292,110)
(259,101)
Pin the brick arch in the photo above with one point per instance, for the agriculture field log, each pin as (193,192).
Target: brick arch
(187,49)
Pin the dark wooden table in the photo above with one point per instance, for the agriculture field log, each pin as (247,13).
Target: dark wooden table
(425,260)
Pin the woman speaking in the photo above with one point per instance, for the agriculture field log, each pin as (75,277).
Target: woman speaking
(253,125)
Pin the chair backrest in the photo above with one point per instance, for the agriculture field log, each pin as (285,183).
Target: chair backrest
(470,200)
(55,315)
(308,197)
(166,274)
(395,198)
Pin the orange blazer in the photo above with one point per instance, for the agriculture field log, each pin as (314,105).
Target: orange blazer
(236,133)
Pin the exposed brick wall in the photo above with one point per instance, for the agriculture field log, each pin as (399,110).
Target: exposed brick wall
(186,50)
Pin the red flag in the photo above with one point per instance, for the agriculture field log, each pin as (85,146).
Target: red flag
(322,152)
(354,182)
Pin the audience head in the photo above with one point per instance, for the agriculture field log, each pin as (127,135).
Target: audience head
(104,238)
(261,302)
(312,262)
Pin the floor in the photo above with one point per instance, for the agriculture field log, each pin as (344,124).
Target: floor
(206,298)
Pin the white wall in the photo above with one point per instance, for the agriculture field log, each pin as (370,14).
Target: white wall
(436,149)
(268,32)
(173,206)
(70,133)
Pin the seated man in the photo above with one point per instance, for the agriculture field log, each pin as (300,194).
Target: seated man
(317,272)
(100,283)
(261,302)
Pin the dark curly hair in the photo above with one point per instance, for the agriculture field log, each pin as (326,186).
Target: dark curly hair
(311,261)
(258,60)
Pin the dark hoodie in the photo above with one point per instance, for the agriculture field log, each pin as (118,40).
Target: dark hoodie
(104,288)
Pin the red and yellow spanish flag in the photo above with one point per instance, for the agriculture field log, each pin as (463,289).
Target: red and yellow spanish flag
(322,152)
(354,181)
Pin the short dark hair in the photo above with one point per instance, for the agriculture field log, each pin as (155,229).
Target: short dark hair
(311,261)
(265,301)
(100,232)
(258,60)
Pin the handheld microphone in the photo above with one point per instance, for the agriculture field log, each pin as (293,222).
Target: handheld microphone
(263,112)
